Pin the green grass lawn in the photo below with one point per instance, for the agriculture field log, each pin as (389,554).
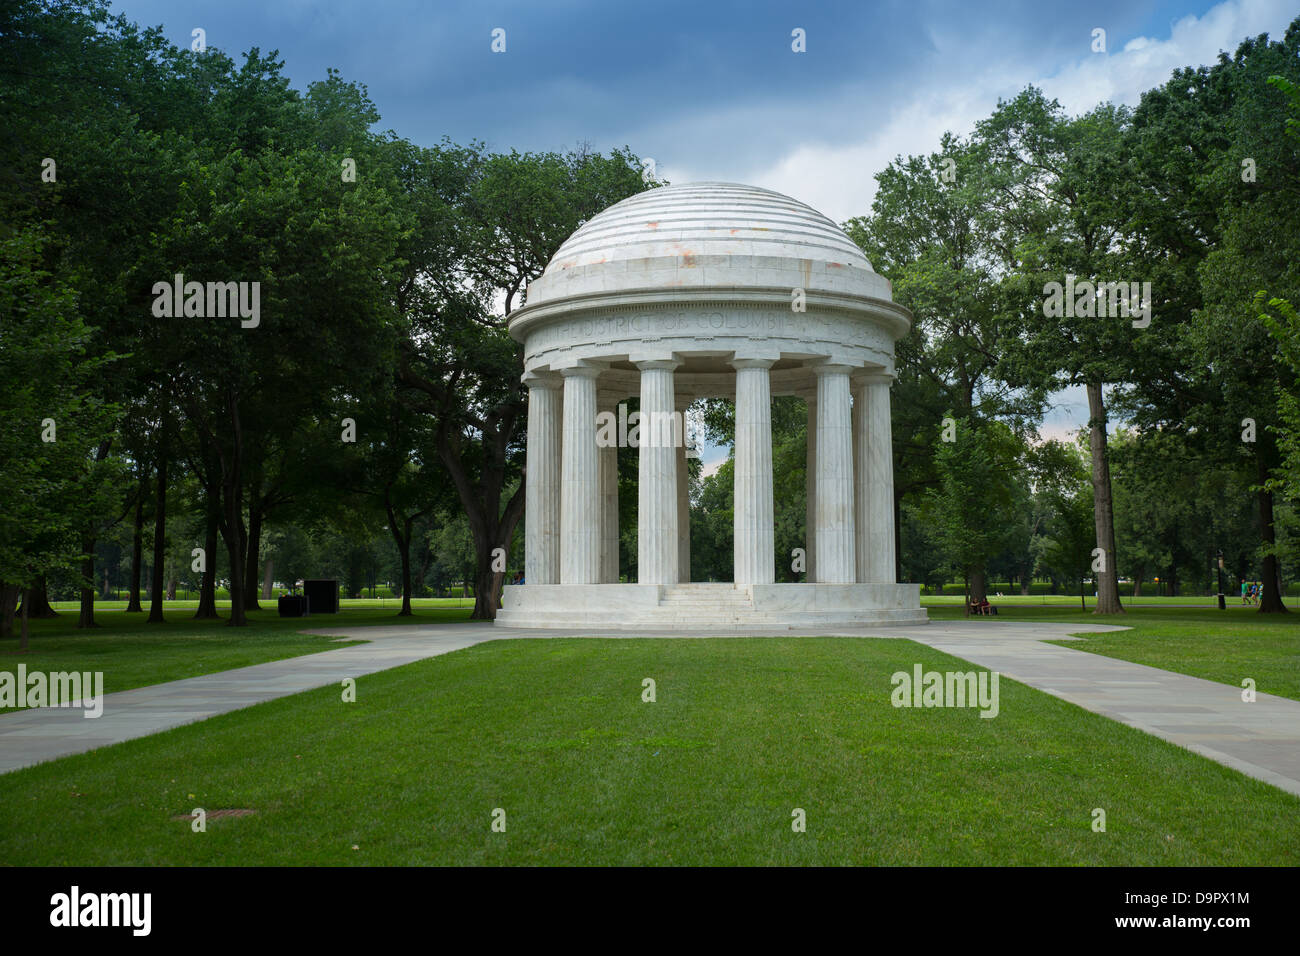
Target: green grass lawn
(555,733)
(132,653)
(1224,646)
(1072,600)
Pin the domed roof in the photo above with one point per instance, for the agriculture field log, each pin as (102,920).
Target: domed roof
(707,219)
(706,237)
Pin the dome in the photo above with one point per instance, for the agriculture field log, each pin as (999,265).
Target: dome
(707,235)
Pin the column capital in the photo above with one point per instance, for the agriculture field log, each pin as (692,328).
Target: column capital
(658,363)
(535,378)
(740,362)
(582,371)
(831,368)
(873,378)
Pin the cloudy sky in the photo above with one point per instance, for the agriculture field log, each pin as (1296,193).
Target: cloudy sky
(713,90)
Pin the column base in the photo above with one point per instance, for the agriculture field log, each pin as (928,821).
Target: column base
(788,609)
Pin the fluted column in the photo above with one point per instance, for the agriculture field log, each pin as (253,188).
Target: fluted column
(754,534)
(683,501)
(657,555)
(860,503)
(810,487)
(542,493)
(579,483)
(836,561)
(875,486)
(608,455)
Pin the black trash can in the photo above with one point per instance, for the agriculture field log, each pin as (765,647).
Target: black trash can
(293,605)
(322,596)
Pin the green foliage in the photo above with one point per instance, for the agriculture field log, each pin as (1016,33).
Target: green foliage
(1283,324)
(49,489)
(972,508)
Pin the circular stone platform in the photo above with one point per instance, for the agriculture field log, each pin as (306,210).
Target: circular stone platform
(692,291)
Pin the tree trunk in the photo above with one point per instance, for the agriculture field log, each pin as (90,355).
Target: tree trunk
(1137,586)
(26,631)
(406,583)
(487,583)
(268,580)
(426,555)
(208,586)
(1082,603)
(1026,578)
(38,595)
(1270,599)
(401,531)
(488,536)
(487,588)
(965,590)
(404,549)
(235,556)
(1103,511)
(87,616)
(979,587)
(133,598)
(159,543)
(233,494)
(8,604)
(253,561)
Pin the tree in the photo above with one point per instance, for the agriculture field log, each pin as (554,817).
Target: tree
(1282,321)
(1222,209)
(51,424)
(1069,549)
(972,508)
(1057,178)
(321,249)
(397,466)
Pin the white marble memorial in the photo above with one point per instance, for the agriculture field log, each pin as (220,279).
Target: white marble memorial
(693,291)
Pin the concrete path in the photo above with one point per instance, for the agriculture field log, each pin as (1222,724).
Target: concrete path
(45,733)
(1261,739)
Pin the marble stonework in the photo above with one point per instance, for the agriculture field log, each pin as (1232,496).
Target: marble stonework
(694,291)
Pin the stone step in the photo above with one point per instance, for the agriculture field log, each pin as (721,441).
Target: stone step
(704,601)
(681,608)
(686,595)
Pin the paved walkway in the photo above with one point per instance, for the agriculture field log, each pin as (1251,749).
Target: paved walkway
(1261,739)
(44,733)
